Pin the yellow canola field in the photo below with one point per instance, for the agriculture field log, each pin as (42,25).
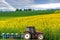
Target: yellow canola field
(41,22)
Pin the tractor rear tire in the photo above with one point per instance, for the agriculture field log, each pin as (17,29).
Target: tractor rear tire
(27,36)
(40,37)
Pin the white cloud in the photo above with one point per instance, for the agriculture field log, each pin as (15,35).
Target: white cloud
(46,6)
(4,5)
(30,4)
(54,1)
(20,3)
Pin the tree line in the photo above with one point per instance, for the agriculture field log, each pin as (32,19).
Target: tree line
(23,9)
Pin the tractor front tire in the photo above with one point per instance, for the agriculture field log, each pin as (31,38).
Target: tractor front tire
(40,37)
(27,36)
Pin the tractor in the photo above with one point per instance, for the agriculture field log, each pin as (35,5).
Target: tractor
(31,33)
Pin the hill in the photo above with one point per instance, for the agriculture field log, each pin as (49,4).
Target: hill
(16,22)
(25,13)
(49,24)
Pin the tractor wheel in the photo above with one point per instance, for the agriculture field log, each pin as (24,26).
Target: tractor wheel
(27,36)
(40,37)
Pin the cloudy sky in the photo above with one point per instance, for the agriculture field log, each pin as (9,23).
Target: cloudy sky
(36,4)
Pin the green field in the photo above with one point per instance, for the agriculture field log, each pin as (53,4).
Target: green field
(47,21)
(25,13)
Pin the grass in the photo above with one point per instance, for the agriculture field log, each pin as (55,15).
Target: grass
(25,13)
(49,24)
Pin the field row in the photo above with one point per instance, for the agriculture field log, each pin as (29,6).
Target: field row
(48,24)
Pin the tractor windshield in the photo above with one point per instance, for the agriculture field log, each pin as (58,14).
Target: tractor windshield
(32,30)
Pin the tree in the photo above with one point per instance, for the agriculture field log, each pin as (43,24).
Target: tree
(29,9)
(20,9)
(17,9)
(25,9)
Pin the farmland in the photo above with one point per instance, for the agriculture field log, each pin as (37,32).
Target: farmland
(25,13)
(49,24)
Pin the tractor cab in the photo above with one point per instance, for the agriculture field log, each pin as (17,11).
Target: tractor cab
(30,29)
(31,33)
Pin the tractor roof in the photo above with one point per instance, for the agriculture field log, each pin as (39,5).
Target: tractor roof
(30,27)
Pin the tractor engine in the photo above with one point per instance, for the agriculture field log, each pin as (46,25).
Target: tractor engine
(31,33)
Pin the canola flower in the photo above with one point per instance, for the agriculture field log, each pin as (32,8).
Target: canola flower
(48,24)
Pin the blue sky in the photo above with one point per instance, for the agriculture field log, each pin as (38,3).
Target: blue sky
(46,1)
(36,4)
(20,3)
(41,1)
(25,3)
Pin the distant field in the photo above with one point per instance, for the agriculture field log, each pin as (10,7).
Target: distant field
(25,13)
(7,15)
(49,24)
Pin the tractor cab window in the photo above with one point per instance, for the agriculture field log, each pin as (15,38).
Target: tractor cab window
(27,29)
(32,30)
